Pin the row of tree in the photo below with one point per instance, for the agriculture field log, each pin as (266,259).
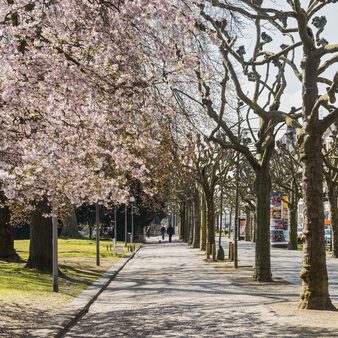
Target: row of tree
(287,52)
(90,92)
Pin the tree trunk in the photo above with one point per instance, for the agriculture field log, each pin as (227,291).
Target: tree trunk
(210,219)
(191,223)
(293,240)
(40,246)
(293,213)
(7,250)
(186,223)
(315,293)
(262,255)
(254,228)
(70,226)
(332,196)
(248,224)
(230,223)
(183,221)
(197,221)
(203,239)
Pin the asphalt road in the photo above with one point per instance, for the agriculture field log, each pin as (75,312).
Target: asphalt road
(286,264)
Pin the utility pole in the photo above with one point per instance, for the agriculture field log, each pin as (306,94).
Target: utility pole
(97,234)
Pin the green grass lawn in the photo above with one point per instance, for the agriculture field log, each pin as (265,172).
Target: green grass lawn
(76,262)
(26,297)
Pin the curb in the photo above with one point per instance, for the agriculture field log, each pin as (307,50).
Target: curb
(69,315)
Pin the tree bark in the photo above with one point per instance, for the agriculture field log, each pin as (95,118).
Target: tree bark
(191,224)
(210,219)
(248,224)
(254,228)
(293,213)
(332,194)
(293,240)
(40,246)
(183,221)
(203,239)
(70,226)
(315,293)
(7,250)
(263,187)
(186,223)
(230,223)
(197,221)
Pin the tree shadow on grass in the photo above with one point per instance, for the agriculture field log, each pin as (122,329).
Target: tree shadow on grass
(78,275)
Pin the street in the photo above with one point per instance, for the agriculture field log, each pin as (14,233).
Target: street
(285,264)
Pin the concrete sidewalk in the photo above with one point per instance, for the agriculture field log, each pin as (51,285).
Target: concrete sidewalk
(69,315)
(169,290)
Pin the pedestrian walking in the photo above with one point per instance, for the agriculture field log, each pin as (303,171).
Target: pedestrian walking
(148,231)
(170,232)
(162,231)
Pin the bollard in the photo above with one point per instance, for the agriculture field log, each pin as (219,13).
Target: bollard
(107,247)
(231,251)
(134,247)
(213,252)
(208,251)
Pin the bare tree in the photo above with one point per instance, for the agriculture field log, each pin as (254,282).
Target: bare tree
(266,70)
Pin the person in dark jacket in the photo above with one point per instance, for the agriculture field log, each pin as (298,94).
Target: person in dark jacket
(170,232)
(162,231)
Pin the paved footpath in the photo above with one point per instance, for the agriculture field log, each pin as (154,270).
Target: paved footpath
(168,290)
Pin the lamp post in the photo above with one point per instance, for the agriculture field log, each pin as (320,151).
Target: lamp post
(97,234)
(55,253)
(220,219)
(132,201)
(125,225)
(115,229)
(236,213)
